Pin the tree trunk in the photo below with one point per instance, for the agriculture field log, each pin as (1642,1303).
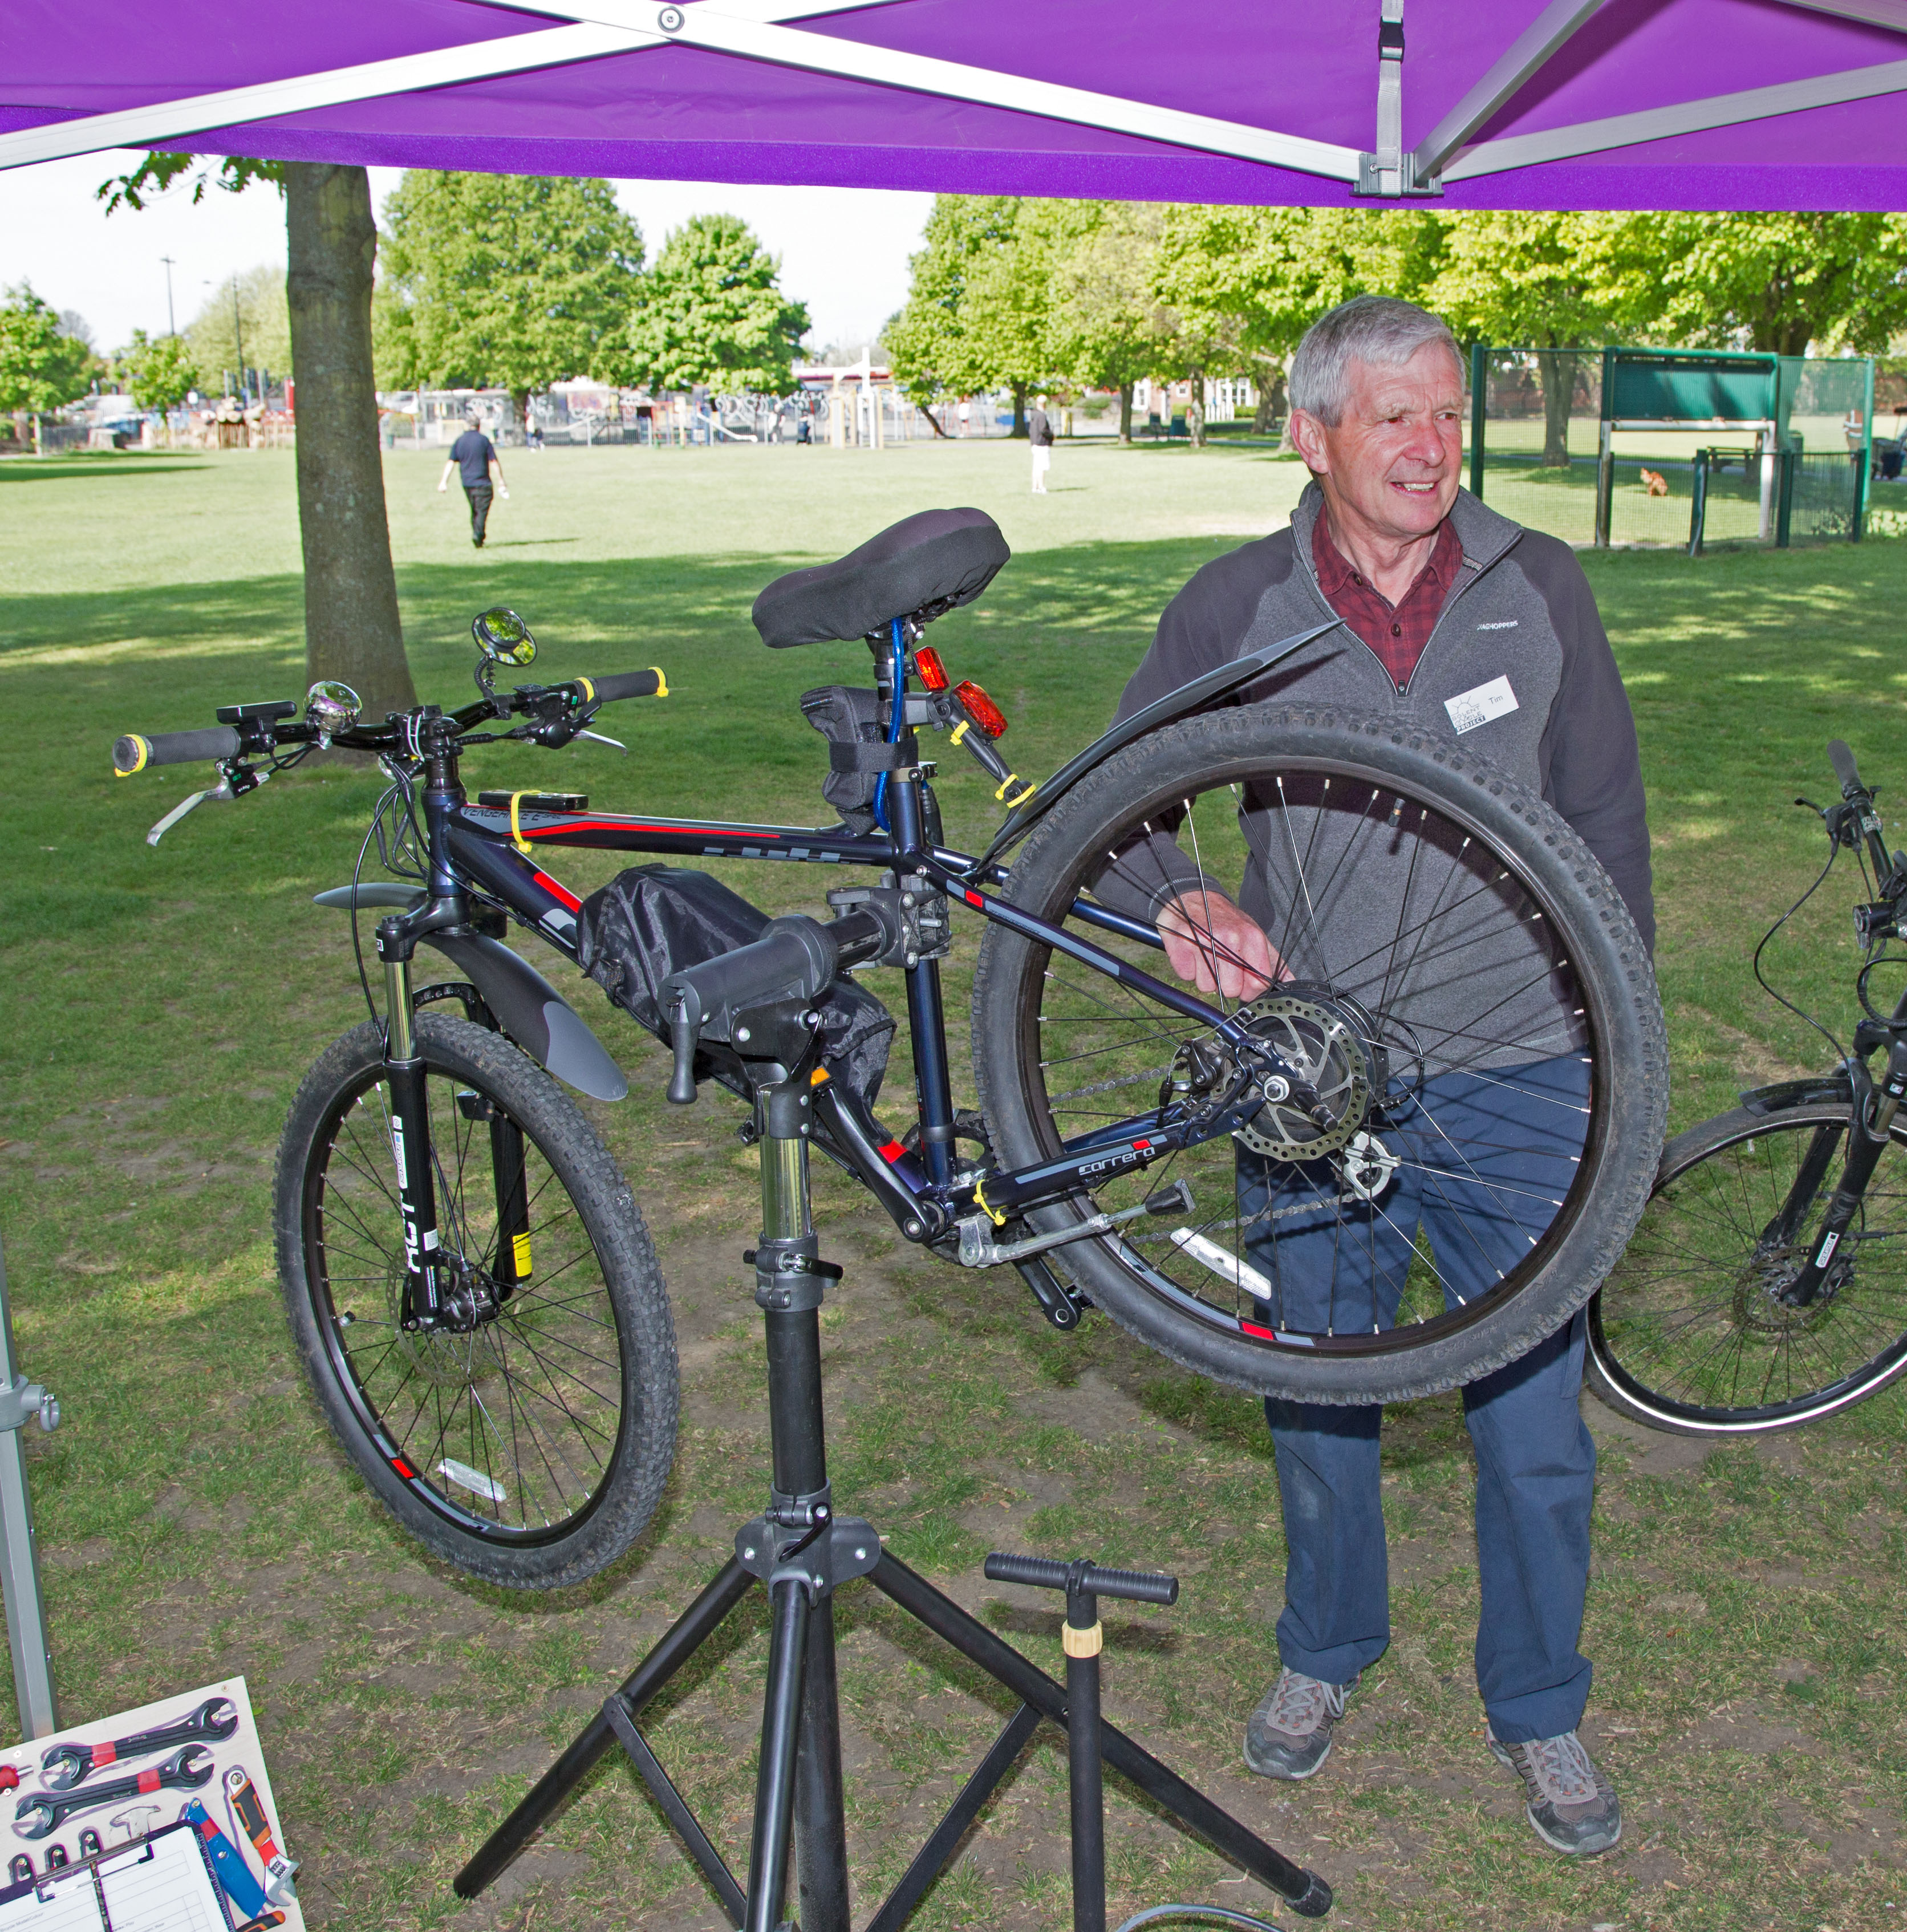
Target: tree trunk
(1556,373)
(1271,402)
(1019,410)
(1195,411)
(351,627)
(933,420)
(1126,412)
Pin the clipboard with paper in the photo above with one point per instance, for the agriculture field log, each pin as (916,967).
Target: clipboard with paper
(159,1884)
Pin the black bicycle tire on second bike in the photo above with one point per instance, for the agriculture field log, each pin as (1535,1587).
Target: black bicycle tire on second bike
(1508,856)
(1729,1359)
(532,1450)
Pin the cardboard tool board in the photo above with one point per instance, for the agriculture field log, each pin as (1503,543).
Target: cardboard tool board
(159,1819)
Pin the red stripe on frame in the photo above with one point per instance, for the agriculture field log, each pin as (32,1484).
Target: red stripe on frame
(892,1152)
(975,900)
(557,890)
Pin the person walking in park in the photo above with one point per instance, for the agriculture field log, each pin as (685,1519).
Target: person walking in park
(1039,430)
(1454,620)
(473,456)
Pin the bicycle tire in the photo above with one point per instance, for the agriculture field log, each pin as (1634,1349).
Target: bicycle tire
(519,1452)
(1515,859)
(1720,1187)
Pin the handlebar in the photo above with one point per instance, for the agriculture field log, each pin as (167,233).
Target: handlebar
(650,683)
(1845,770)
(135,751)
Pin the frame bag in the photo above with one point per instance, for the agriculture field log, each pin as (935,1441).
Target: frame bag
(653,920)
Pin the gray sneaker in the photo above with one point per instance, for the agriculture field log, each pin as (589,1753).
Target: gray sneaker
(1289,1735)
(1572,1807)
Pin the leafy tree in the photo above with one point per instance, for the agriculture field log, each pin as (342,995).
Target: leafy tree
(262,330)
(1781,282)
(712,312)
(161,372)
(1107,326)
(1246,283)
(351,627)
(504,281)
(40,368)
(978,309)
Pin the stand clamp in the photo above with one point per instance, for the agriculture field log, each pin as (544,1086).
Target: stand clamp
(22,1401)
(821,1559)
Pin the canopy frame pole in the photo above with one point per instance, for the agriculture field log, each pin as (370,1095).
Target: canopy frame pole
(1688,117)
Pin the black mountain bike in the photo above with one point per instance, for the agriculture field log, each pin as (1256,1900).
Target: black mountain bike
(1396,1167)
(1766,1285)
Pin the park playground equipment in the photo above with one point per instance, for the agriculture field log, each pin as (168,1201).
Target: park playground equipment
(1687,447)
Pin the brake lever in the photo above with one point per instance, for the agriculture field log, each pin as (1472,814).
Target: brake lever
(600,739)
(216,794)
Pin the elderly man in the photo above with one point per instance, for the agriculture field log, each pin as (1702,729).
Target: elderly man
(473,456)
(1453,618)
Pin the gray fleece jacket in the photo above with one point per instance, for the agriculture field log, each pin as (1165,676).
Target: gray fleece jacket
(1519,667)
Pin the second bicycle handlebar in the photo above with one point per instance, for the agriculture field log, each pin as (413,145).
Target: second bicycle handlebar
(136,752)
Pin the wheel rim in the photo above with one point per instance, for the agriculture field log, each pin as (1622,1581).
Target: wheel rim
(1444,1201)
(1689,1326)
(510,1431)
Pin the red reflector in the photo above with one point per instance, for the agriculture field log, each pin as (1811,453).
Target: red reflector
(892,1152)
(981,709)
(933,672)
(1264,1334)
(975,900)
(403,1468)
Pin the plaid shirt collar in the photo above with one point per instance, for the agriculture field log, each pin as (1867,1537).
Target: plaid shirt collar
(1398,633)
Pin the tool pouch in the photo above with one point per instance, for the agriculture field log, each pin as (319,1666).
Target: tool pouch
(858,752)
(653,920)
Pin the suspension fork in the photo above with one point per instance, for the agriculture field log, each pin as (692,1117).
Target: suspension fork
(411,1150)
(1871,1123)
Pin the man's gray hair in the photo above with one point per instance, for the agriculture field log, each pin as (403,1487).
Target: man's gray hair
(1376,329)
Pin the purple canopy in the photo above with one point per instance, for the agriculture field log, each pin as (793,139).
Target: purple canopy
(1501,103)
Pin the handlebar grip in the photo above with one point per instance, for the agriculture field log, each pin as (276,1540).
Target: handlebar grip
(135,753)
(1048,1573)
(1845,770)
(649,683)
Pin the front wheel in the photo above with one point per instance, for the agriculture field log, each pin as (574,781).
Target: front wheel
(1691,1334)
(531,1448)
(1463,993)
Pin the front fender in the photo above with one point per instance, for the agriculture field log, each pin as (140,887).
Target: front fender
(1831,1090)
(528,1008)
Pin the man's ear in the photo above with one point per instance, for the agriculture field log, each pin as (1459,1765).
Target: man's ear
(1307,434)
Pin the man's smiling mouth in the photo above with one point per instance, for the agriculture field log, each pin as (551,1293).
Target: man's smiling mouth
(1414,489)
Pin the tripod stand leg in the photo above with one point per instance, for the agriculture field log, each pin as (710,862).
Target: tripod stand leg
(820,1804)
(1083,1744)
(774,1779)
(725,1590)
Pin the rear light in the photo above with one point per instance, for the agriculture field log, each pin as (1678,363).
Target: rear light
(933,672)
(987,714)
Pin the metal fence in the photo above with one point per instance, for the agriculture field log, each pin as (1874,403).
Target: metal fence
(1793,470)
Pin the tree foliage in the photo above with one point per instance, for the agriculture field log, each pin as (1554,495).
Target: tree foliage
(712,312)
(40,367)
(503,281)
(261,329)
(1109,326)
(161,372)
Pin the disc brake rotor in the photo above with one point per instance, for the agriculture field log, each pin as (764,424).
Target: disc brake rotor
(1320,1043)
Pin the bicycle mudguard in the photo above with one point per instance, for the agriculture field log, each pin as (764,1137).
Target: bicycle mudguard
(1831,1090)
(1195,696)
(528,1009)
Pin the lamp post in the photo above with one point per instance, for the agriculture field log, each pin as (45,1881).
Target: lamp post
(172,327)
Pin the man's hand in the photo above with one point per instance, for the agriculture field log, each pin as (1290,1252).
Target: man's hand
(1211,942)
(443,483)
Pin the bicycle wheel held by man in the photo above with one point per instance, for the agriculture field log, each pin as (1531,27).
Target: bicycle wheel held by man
(1454,620)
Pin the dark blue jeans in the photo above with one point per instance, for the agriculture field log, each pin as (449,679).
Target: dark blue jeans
(1482,1161)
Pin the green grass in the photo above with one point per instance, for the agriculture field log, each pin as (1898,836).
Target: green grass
(194,1519)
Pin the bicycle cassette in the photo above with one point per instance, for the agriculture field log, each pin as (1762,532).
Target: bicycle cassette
(1319,1042)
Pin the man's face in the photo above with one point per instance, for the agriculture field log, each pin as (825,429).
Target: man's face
(1393,462)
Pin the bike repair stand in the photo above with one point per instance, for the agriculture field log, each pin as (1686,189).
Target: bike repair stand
(19,1563)
(801,1552)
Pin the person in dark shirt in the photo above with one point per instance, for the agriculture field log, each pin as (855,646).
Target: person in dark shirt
(473,456)
(1039,433)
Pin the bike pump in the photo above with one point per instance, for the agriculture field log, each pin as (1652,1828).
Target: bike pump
(761,997)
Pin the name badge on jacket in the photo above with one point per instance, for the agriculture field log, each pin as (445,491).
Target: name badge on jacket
(1470,709)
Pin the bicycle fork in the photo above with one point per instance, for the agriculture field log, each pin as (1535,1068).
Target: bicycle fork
(1871,1124)
(410,1135)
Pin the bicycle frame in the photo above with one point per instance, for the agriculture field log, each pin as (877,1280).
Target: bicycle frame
(497,850)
